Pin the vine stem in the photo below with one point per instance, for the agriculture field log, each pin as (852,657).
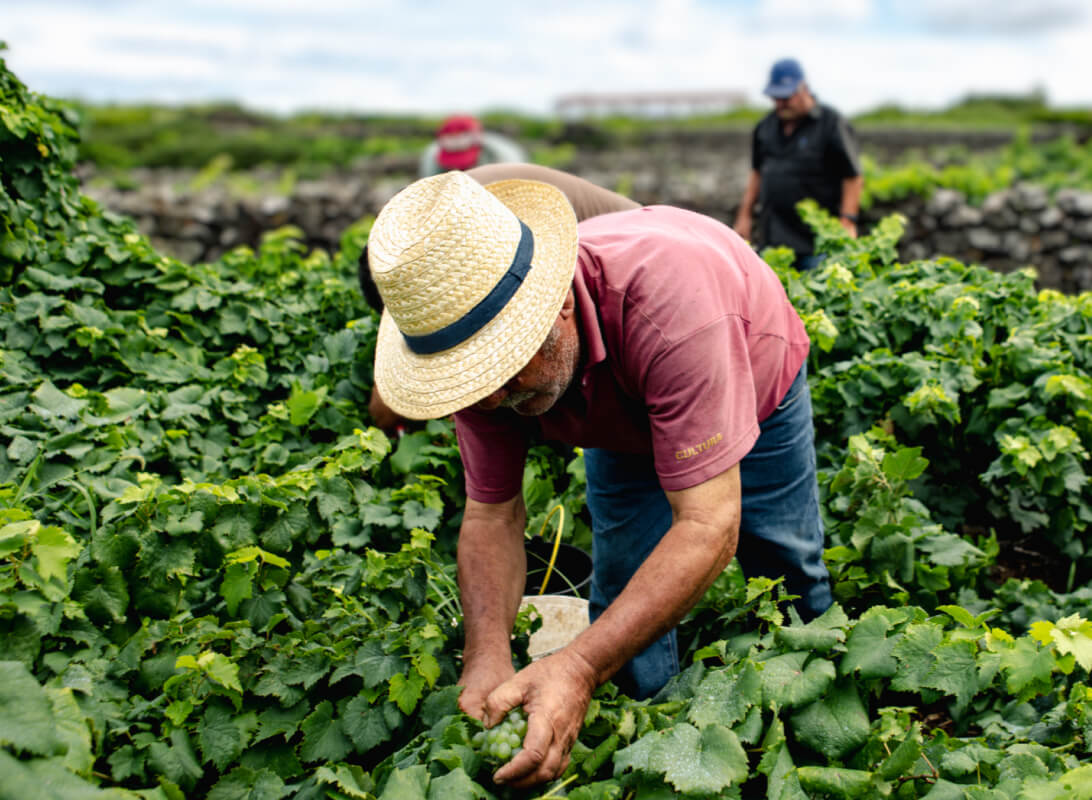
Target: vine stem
(556,787)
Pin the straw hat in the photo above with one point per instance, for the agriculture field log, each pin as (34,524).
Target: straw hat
(472,279)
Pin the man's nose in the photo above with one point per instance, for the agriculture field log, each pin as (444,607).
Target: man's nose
(493,401)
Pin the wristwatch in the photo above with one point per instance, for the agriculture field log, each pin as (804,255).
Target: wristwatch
(850,217)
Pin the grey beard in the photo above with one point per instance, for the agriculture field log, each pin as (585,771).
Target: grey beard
(513,400)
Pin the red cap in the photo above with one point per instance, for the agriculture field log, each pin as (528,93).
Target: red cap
(460,139)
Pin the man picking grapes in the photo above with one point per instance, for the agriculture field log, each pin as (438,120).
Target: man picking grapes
(659,342)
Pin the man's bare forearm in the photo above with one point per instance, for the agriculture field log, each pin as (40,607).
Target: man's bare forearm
(670,583)
(851,195)
(492,572)
(750,195)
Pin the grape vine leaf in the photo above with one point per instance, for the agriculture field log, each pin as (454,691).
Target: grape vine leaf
(365,724)
(176,760)
(54,548)
(838,782)
(607,790)
(820,635)
(788,683)
(868,648)
(73,731)
(234,527)
(1027,668)
(1070,635)
(161,560)
(955,671)
(48,778)
(914,652)
(237,586)
(306,669)
(350,779)
(272,683)
(289,525)
(103,592)
(1076,784)
(334,498)
(903,757)
(725,695)
(410,783)
(405,690)
(222,736)
(278,721)
(705,761)
(784,784)
(835,725)
(26,717)
(323,738)
(243,783)
(371,663)
(221,669)
(905,464)
(455,785)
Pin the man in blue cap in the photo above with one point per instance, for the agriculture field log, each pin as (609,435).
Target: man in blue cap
(801,149)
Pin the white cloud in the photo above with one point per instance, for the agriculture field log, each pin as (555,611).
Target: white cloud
(808,13)
(955,17)
(428,55)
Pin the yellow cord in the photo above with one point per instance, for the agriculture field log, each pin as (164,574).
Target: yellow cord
(557,542)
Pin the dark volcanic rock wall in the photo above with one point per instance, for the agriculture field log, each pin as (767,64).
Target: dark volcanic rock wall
(703,171)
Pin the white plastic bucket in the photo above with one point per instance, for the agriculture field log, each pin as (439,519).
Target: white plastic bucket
(563,618)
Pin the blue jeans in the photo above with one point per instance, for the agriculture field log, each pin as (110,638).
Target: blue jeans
(804,263)
(781,532)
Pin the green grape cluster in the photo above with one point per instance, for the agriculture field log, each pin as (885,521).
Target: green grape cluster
(504,739)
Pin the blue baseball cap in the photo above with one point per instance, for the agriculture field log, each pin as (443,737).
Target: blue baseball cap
(786,76)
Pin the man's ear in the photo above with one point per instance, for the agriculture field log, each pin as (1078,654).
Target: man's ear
(568,306)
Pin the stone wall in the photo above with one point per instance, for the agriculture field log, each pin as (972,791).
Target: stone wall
(1010,229)
(698,170)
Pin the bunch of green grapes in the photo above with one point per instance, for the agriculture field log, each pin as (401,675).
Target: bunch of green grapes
(504,739)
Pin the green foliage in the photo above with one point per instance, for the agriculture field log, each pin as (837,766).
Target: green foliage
(217,581)
(200,137)
(987,377)
(1061,162)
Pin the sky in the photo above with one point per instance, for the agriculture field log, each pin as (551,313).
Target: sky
(427,56)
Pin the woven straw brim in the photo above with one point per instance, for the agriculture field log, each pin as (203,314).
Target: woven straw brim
(430,386)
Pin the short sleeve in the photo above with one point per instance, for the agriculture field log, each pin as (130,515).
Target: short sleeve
(843,148)
(493,447)
(587,199)
(756,148)
(702,406)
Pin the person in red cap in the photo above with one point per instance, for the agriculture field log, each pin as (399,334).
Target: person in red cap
(461,143)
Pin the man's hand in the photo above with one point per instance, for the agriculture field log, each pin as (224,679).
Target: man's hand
(555,692)
(382,415)
(742,226)
(478,680)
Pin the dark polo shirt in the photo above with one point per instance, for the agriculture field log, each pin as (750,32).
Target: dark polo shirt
(811,162)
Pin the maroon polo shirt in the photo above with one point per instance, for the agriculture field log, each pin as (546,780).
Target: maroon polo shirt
(688,342)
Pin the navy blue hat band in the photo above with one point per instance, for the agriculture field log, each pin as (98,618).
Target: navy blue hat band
(487,308)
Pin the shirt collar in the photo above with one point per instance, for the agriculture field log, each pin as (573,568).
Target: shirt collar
(591,331)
